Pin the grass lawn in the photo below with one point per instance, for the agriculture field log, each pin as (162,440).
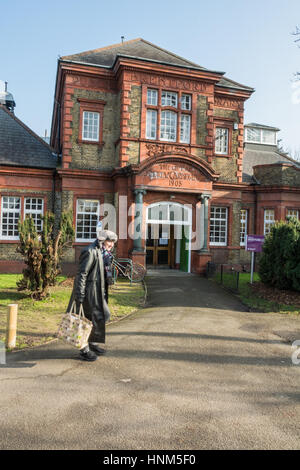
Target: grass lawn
(250,296)
(38,320)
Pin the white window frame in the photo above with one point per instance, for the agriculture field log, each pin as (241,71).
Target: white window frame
(91,132)
(11,211)
(268,222)
(151,124)
(166,126)
(34,212)
(167,97)
(243,226)
(186,102)
(152,97)
(261,136)
(85,240)
(217,219)
(292,213)
(221,141)
(185,132)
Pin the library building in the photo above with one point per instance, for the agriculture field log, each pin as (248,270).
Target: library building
(161,140)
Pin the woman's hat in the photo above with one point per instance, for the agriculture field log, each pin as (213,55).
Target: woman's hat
(103,235)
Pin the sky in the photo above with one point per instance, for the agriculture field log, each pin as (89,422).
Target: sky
(252,41)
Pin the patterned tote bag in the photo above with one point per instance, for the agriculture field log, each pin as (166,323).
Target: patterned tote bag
(75,329)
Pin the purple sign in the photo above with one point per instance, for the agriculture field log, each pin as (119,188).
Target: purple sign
(254,242)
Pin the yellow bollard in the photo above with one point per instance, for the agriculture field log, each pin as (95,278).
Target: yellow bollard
(11,331)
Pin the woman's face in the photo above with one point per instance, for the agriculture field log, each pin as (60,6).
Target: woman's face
(108,245)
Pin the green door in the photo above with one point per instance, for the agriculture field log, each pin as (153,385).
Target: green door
(184,253)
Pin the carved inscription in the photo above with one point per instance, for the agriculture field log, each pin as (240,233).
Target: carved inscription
(160,149)
(165,82)
(176,176)
(228,103)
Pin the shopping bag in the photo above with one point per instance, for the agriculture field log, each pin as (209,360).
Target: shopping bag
(75,329)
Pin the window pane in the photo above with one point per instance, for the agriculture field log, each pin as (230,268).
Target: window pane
(10,215)
(186,102)
(151,124)
(168,126)
(90,128)
(87,219)
(221,140)
(34,207)
(269,220)
(293,213)
(169,98)
(152,97)
(218,225)
(185,128)
(243,226)
(269,137)
(252,134)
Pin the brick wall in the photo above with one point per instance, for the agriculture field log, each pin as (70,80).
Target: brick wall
(90,156)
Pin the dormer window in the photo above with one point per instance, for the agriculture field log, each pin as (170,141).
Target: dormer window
(258,135)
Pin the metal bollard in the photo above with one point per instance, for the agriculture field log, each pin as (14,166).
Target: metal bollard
(11,331)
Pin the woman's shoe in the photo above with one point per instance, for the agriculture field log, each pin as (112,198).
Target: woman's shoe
(96,349)
(87,355)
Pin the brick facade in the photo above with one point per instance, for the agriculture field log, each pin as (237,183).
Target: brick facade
(123,160)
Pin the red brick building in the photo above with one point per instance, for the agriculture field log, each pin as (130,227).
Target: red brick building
(162,141)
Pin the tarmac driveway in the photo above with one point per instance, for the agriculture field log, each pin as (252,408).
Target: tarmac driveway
(194,370)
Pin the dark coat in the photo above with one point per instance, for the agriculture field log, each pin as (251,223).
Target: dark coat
(90,289)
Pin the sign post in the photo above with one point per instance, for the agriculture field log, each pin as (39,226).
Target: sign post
(254,244)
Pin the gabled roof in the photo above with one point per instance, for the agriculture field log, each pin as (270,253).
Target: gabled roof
(20,146)
(136,48)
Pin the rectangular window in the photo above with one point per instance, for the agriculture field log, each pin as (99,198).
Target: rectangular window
(169,98)
(243,226)
(90,128)
(221,140)
(151,124)
(87,219)
(269,220)
(168,126)
(186,102)
(292,213)
(218,226)
(253,135)
(152,97)
(35,208)
(185,128)
(10,215)
(269,137)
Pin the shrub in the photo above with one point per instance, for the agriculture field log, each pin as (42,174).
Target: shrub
(42,252)
(279,264)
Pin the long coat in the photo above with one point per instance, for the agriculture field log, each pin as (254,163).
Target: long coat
(90,289)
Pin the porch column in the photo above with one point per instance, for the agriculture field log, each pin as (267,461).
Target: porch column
(137,242)
(204,200)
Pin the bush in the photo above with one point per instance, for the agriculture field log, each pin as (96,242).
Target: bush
(279,264)
(42,252)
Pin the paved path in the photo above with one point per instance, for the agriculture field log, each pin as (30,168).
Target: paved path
(193,370)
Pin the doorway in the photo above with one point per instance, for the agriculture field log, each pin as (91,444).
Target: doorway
(168,229)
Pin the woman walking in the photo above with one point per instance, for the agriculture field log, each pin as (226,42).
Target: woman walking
(91,290)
